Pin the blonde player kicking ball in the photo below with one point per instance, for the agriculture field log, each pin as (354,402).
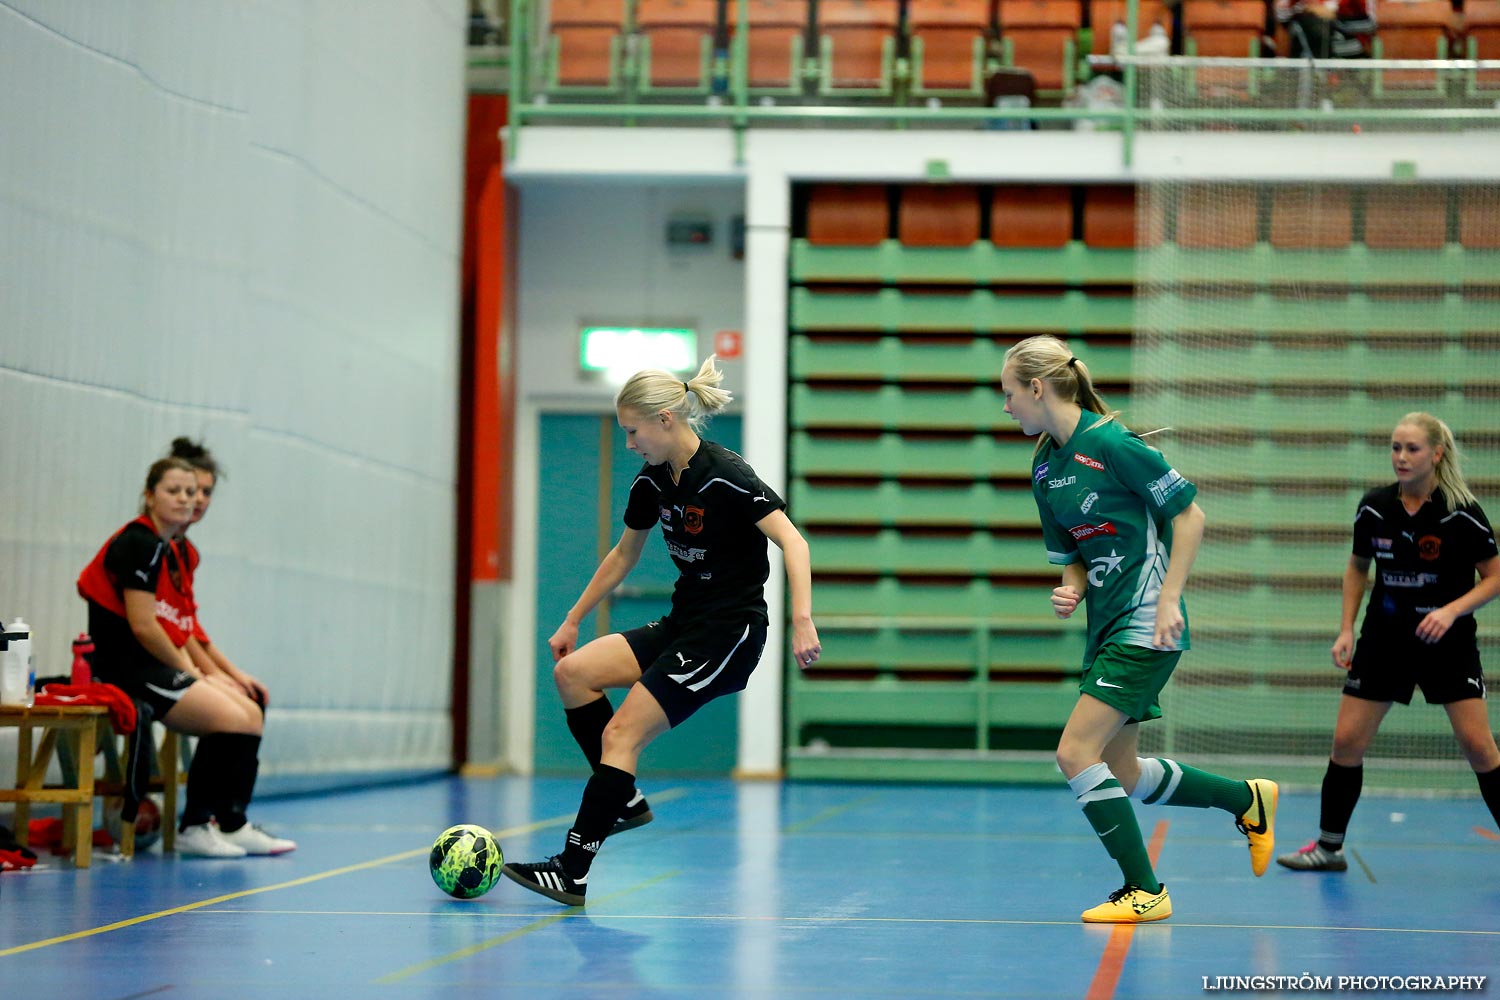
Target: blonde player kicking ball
(1123,525)
(1428,538)
(716,518)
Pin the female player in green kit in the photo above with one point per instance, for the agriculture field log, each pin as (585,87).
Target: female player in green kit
(1123,525)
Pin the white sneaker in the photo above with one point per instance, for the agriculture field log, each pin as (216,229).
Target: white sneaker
(253,840)
(205,841)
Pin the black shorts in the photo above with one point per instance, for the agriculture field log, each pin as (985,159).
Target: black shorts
(1390,671)
(686,667)
(146,679)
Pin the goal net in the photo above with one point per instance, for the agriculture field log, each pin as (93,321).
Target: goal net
(1283,327)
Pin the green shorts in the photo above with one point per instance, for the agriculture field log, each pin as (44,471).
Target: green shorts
(1129,678)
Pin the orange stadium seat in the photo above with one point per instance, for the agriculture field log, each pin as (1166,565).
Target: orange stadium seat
(1105,14)
(677,49)
(858,40)
(1311,218)
(1478,219)
(948,45)
(1221,217)
(1228,28)
(1482,38)
(1412,29)
(1109,218)
(939,215)
(778,38)
(1406,217)
(585,43)
(1040,36)
(1032,216)
(847,215)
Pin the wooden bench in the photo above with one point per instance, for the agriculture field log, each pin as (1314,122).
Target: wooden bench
(167,775)
(78,725)
(84,730)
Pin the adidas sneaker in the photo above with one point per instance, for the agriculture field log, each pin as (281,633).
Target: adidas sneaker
(1314,858)
(637,813)
(549,879)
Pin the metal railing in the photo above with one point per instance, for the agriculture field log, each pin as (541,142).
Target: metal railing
(728,101)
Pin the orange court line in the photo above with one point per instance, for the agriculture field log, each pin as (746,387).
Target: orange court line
(1112,962)
(1487,833)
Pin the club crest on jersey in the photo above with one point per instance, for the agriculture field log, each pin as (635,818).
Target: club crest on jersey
(1040,473)
(1092,463)
(1381,543)
(1429,546)
(1088,502)
(666,515)
(1083,531)
(692,519)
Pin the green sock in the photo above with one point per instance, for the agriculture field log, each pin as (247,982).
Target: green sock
(1108,810)
(1165,782)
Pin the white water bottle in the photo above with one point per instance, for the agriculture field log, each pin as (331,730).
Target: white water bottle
(17,674)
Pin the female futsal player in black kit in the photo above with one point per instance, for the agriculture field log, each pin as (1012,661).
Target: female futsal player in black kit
(1428,538)
(716,516)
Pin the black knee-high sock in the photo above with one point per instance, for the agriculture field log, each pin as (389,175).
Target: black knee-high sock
(586,723)
(203,776)
(1489,787)
(237,762)
(603,798)
(1341,788)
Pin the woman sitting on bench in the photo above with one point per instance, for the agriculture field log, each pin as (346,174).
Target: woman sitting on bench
(141,616)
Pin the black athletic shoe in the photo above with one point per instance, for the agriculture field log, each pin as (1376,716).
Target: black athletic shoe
(637,813)
(549,879)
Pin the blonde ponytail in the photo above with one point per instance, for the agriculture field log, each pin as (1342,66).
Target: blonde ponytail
(652,390)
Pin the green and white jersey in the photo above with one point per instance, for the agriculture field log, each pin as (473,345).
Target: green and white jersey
(1108,499)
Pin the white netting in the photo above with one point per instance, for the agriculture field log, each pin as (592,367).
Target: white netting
(1282,330)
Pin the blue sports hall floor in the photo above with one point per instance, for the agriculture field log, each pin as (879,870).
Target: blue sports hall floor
(760,890)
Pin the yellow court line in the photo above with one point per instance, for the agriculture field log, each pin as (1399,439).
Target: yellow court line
(831,812)
(514,831)
(494,942)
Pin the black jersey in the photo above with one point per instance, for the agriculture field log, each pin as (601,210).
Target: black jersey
(708,520)
(1422,562)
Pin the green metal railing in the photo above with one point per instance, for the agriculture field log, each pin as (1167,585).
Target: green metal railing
(728,100)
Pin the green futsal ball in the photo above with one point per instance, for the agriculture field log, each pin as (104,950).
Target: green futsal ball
(465,861)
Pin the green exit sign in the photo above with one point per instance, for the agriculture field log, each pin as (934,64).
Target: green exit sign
(628,349)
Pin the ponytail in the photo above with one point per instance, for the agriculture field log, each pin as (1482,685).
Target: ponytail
(696,400)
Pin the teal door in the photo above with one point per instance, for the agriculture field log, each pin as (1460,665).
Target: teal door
(585,478)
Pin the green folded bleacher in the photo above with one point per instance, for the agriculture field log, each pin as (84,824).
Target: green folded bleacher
(942,659)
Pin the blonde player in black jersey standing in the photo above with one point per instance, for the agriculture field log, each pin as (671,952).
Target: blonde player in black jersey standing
(1428,538)
(716,516)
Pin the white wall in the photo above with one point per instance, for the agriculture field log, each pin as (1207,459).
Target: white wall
(239,220)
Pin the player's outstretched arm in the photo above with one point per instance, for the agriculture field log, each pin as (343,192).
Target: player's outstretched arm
(615,566)
(1356,577)
(779,528)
